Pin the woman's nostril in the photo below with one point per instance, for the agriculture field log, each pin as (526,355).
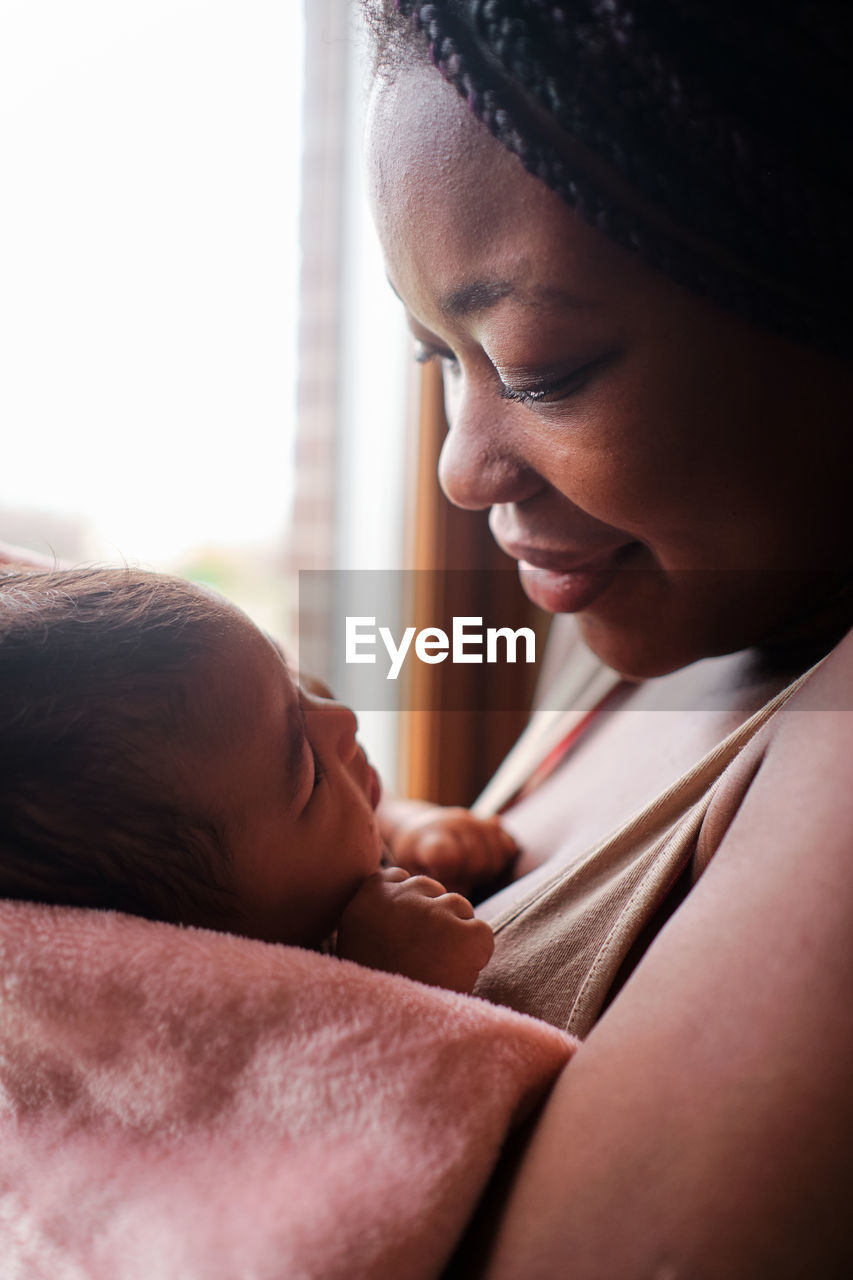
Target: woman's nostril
(478,477)
(462,473)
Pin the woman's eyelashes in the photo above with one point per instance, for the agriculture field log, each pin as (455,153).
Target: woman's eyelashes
(426,354)
(532,389)
(552,388)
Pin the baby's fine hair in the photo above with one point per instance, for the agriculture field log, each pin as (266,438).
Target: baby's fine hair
(95,668)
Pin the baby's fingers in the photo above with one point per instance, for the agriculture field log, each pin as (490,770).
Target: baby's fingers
(457,906)
(497,835)
(487,848)
(422,887)
(393,875)
(480,942)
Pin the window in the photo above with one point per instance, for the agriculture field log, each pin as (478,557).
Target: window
(149,265)
(204,370)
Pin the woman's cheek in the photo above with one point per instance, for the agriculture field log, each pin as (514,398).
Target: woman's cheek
(616,486)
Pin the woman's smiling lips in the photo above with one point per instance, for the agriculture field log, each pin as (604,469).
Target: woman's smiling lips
(562,583)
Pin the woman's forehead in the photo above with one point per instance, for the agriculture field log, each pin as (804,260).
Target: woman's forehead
(427,155)
(456,212)
(443,191)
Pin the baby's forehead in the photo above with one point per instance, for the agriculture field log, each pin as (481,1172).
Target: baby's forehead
(280,650)
(300,681)
(288,673)
(241,666)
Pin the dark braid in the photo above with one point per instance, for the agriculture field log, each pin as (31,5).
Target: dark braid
(710,136)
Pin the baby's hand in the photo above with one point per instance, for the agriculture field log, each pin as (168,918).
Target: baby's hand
(409,925)
(451,844)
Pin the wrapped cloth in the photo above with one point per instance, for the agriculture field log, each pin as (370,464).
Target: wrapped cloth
(179,1104)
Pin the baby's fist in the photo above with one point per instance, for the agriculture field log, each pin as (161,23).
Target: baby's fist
(410,925)
(451,844)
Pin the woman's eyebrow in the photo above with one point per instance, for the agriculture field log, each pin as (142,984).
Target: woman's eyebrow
(480,295)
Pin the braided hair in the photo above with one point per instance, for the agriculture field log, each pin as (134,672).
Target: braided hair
(711,137)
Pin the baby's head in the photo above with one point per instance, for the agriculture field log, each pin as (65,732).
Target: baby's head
(156,757)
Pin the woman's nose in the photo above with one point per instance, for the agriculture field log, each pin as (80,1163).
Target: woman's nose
(333,725)
(480,464)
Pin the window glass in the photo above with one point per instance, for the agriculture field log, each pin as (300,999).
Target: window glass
(148,284)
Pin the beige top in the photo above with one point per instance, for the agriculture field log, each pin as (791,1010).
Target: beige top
(559,947)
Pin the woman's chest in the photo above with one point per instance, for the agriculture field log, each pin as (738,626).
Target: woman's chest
(569,931)
(632,753)
(627,759)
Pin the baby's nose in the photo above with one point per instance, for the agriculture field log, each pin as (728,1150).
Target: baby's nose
(338,726)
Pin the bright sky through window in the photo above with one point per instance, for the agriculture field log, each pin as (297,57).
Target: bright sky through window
(148,268)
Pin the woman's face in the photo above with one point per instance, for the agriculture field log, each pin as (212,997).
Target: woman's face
(670,474)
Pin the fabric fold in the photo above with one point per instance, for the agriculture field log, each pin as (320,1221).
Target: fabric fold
(180,1103)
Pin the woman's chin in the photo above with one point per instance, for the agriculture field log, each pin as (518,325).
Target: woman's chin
(636,627)
(650,623)
(633,654)
(646,630)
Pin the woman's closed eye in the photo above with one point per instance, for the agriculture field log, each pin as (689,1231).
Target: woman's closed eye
(427,354)
(529,388)
(551,388)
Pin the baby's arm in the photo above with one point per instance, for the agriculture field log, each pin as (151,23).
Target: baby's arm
(410,925)
(451,844)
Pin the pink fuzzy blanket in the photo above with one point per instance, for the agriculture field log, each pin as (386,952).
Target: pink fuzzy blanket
(183,1105)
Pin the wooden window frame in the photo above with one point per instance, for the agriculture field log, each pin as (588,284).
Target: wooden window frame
(448,755)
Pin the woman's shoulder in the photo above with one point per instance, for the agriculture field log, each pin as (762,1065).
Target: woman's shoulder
(722,1068)
(799,789)
(810,746)
(829,686)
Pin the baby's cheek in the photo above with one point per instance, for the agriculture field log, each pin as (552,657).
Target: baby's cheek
(377,848)
(371,845)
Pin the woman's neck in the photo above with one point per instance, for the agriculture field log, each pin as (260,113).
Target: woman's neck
(812,631)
